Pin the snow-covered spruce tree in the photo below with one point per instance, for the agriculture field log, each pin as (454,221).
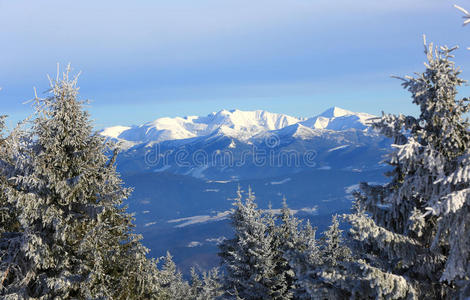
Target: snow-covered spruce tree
(322,268)
(14,265)
(208,288)
(326,270)
(173,285)
(9,227)
(286,239)
(415,228)
(4,207)
(334,250)
(248,258)
(196,284)
(8,220)
(77,239)
(303,257)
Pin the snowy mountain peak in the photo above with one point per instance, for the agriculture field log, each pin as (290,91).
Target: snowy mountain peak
(298,131)
(334,112)
(258,119)
(114,131)
(238,124)
(338,119)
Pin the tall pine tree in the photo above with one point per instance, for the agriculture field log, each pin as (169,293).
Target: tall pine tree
(413,231)
(286,238)
(248,259)
(77,240)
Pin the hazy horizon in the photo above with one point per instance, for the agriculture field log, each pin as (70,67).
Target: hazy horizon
(154,59)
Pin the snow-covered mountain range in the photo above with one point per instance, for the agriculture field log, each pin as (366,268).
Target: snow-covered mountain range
(238,124)
(249,144)
(184,170)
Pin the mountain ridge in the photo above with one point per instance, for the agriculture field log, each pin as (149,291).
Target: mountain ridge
(234,123)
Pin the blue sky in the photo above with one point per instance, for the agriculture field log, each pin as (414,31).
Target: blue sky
(141,60)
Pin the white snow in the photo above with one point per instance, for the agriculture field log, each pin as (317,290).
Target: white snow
(338,148)
(237,124)
(335,112)
(338,119)
(281,182)
(232,145)
(351,188)
(217,240)
(194,244)
(321,122)
(200,219)
(355,187)
(308,210)
(114,131)
(219,216)
(150,224)
(218,181)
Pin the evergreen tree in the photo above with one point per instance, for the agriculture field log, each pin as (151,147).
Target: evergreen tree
(77,240)
(4,210)
(8,220)
(13,262)
(322,268)
(412,233)
(211,285)
(334,250)
(248,259)
(286,238)
(207,288)
(303,259)
(173,285)
(9,227)
(196,284)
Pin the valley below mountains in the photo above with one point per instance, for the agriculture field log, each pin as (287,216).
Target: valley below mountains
(185,171)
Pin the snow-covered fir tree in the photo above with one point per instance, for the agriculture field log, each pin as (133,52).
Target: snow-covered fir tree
(196,284)
(8,215)
(14,263)
(286,238)
(413,232)
(249,259)
(4,210)
(303,256)
(173,285)
(209,287)
(320,266)
(64,233)
(334,249)
(295,264)
(76,239)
